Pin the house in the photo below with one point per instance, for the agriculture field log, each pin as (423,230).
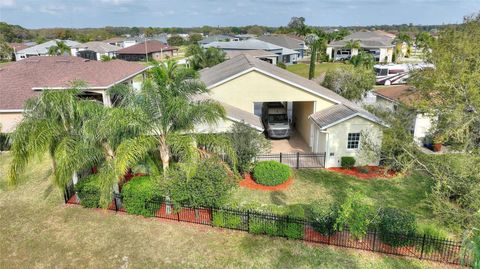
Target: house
(41,49)
(94,50)
(22,80)
(284,55)
(325,121)
(286,42)
(217,38)
(390,97)
(263,55)
(123,42)
(147,50)
(378,43)
(18,46)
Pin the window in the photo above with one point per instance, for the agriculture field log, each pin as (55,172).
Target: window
(353,140)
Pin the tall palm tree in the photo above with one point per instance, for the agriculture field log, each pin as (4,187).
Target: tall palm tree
(169,108)
(60,48)
(200,58)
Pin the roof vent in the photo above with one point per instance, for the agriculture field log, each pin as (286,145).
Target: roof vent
(32,61)
(62,61)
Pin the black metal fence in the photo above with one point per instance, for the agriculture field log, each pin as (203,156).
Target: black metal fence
(417,246)
(295,160)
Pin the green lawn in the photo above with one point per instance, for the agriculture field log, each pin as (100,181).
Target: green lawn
(302,69)
(38,231)
(324,187)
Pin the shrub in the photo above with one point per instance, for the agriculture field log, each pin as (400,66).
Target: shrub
(88,190)
(354,214)
(396,227)
(325,223)
(209,186)
(271,173)
(275,226)
(282,65)
(351,83)
(227,219)
(364,169)
(347,162)
(5,141)
(142,196)
(431,231)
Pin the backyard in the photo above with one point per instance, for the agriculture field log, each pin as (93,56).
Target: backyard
(37,230)
(301,69)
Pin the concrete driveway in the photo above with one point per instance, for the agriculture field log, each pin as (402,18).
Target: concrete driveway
(292,145)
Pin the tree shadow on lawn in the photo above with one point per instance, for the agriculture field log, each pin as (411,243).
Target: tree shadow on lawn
(278,197)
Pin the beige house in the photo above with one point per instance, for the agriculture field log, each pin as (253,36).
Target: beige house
(22,80)
(327,122)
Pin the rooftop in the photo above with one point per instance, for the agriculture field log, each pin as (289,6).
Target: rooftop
(43,48)
(254,53)
(283,41)
(150,47)
(367,39)
(405,94)
(97,46)
(250,44)
(58,72)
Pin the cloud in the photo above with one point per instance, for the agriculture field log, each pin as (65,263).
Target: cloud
(7,3)
(116,2)
(53,9)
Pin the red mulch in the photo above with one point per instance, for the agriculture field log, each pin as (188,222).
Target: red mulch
(248,182)
(203,215)
(374,172)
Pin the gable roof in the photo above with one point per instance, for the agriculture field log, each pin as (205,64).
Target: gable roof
(97,46)
(215,38)
(368,39)
(254,53)
(58,72)
(339,113)
(250,44)
(43,48)
(150,47)
(244,63)
(405,94)
(283,41)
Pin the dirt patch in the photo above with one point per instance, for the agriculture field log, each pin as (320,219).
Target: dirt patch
(249,183)
(366,172)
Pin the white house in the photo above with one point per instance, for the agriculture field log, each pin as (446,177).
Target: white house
(94,50)
(41,49)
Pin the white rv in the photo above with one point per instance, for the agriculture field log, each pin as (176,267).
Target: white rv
(391,74)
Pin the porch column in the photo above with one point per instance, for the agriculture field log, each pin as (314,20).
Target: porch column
(106,99)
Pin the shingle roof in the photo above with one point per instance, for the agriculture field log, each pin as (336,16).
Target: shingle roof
(242,63)
(151,46)
(254,53)
(250,44)
(43,48)
(405,94)
(332,115)
(215,38)
(283,41)
(367,39)
(97,46)
(18,79)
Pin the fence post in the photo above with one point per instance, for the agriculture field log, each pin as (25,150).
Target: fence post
(211,216)
(423,246)
(280,157)
(115,201)
(65,195)
(298,159)
(248,220)
(374,239)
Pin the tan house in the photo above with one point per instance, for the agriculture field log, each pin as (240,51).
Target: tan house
(148,50)
(325,121)
(22,80)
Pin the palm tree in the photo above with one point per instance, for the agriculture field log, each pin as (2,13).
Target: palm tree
(200,58)
(169,107)
(352,44)
(60,48)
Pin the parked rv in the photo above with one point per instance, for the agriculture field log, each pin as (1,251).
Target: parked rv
(275,119)
(392,74)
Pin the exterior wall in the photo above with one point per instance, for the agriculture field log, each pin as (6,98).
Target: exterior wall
(386,55)
(254,86)
(8,121)
(301,111)
(337,137)
(422,126)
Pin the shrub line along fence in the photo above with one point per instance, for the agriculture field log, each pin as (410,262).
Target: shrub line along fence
(295,160)
(417,246)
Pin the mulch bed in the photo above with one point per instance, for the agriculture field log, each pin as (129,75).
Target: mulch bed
(373,172)
(249,183)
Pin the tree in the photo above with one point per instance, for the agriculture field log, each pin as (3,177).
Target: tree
(297,25)
(363,59)
(175,40)
(200,58)
(354,214)
(312,40)
(352,44)
(169,107)
(255,30)
(424,41)
(5,50)
(60,48)
(195,38)
(351,83)
(149,32)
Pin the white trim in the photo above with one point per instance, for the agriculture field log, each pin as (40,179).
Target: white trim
(347,118)
(275,77)
(240,120)
(11,110)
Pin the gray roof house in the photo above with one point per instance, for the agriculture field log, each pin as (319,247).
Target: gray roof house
(217,38)
(41,49)
(94,50)
(285,55)
(286,42)
(325,121)
(378,43)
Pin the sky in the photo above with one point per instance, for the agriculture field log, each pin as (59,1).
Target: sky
(187,13)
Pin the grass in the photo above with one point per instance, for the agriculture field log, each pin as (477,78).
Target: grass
(325,187)
(38,231)
(301,69)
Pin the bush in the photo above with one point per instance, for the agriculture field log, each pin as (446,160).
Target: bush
(354,214)
(5,142)
(271,173)
(431,231)
(325,223)
(347,162)
(209,186)
(88,191)
(396,227)
(142,196)
(282,65)
(227,220)
(275,226)
(350,82)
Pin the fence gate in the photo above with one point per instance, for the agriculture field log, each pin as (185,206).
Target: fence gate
(296,160)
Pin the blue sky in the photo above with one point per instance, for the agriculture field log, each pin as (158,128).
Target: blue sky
(160,13)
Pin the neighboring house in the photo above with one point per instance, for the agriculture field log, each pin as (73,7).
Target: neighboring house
(123,42)
(41,49)
(284,55)
(244,36)
(151,49)
(19,46)
(327,122)
(20,81)
(378,43)
(389,98)
(286,42)
(94,50)
(259,54)
(217,38)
